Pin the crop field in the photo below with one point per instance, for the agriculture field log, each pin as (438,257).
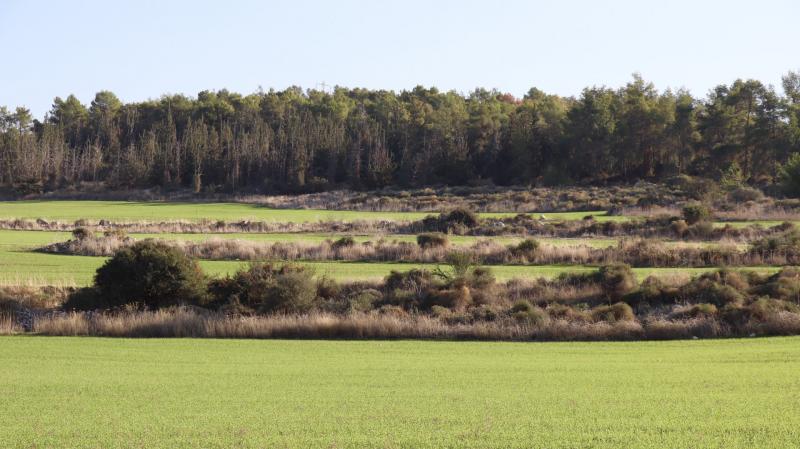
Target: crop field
(163,211)
(181,393)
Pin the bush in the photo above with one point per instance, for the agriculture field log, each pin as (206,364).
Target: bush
(613,313)
(152,274)
(457,298)
(679,227)
(265,288)
(116,233)
(745,194)
(87,298)
(616,280)
(432,240)
(363,300)
(81,233)
(783,285)
(719,288)
(702,310)
(695,213)
(463,217)
(344,242)
(787,242)
(527,248)
(524,312)
(293,292)
(460,262)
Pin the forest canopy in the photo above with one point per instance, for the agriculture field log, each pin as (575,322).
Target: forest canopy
(298,140)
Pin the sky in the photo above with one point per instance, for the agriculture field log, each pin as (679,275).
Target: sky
(143,49)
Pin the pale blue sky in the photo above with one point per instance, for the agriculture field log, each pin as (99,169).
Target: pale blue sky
(142,49)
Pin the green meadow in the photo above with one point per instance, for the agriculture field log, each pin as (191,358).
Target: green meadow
(187,393)
(19,265)
(174,211)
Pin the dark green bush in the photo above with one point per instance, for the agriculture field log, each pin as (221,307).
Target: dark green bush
(293,292)
(266,288)
(86,298)
(152,274)
(695,213)
(461,216)
(432,240)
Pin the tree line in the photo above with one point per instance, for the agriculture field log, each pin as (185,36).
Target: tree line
(295,140)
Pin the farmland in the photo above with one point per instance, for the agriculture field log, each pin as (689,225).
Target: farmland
(90,392)
(20,265)
(166,211)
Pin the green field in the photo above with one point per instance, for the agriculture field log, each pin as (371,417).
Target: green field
(171,211)
(185,393)
(20,266)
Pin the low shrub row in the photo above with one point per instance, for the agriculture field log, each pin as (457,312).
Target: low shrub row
(154,276)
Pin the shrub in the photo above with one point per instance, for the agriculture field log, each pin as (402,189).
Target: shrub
(719,288)
(86,298)
(294,291)
(456,298)
(616,280)
(745,194)
(459,217)
(613,313)
(786,242)
(481,278)
(81,233)
(116,233)
(524,312)
(363,300)
(679,227)
(152,274)
(461,262)
(266,288)
(526,248)
(783,285)
(328,288)
(695,213)
(702,310)
(432,240)
(565,312)
(344,242)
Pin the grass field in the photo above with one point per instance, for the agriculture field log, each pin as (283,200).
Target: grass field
(163,211)
(26,268)
(20,266)
(182,393)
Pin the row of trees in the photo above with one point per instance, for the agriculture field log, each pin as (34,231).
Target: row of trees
(295,140)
